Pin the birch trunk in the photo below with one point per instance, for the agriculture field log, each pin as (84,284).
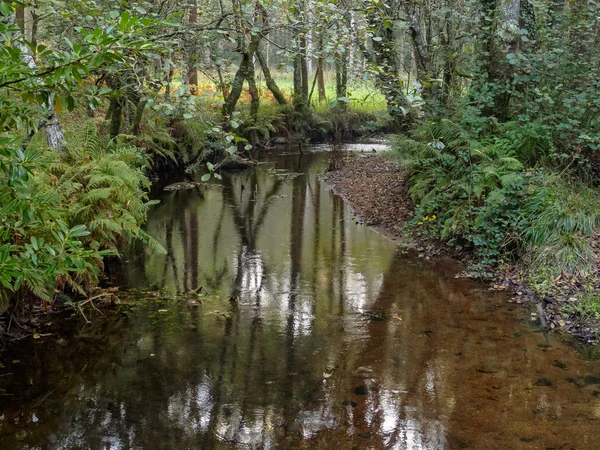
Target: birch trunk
(51,124)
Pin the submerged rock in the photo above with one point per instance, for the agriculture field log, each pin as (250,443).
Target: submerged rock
(543,382)
(280,140)
(181,186)
(362,390)
(236,162)
(377,316)
(590,379)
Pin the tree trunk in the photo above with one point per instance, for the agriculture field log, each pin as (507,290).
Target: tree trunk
(238,81)
(496,75)
(447,78)
(139,112)
(54,133)
(321,79)
(422,59)
(383,56)
(192,72)
(35,20)
(168,86)
(341,78)
(298,98)
(271,84)
(20,18)
(116,106)
(425,69)
(254,97)
(304,69)
(527,19)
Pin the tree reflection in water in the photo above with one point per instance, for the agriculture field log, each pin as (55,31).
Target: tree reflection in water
(325,338)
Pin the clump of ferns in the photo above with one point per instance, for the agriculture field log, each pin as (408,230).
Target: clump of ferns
(105,185)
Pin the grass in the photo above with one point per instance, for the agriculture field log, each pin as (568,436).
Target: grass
(562,217)
(364,96)
(587,306)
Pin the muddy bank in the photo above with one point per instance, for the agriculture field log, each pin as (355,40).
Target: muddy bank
(376,189)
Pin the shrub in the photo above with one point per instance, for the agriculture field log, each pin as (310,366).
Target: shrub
(61,213)
(472,189)
(484,198)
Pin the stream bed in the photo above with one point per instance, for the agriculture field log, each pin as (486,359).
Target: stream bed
(277,321)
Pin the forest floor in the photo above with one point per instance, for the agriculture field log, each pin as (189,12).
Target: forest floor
(376,189)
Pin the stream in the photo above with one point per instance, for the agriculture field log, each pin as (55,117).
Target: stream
(277,321)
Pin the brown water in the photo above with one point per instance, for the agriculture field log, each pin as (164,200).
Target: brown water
(333,340)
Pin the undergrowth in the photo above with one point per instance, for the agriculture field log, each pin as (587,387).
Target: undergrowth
(61,220)
(586,307)
(496,198)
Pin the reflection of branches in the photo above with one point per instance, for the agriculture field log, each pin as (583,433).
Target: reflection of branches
(247,231)
(217,235)
(245,226)
(342,256)
(217,391)
(170,256)
(296,241)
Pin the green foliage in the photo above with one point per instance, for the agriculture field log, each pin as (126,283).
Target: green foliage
(481,197)
(268,121)
(561,220)
(104,183)
(155,138)
(471,189)
(586,307)
(38,249)
(63,209)
(530,142)
(60,220)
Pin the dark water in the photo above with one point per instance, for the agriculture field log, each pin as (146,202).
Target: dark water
(310,332)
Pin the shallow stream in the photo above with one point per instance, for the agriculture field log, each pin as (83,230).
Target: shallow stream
(276,321)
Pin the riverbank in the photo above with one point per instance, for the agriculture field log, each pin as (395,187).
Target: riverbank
(376,188)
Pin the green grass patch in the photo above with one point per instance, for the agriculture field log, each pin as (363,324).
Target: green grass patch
(587,306)
(561,217)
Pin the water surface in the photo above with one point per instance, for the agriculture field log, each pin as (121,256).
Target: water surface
(276,321)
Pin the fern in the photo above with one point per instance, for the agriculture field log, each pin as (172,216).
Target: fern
(104,184)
